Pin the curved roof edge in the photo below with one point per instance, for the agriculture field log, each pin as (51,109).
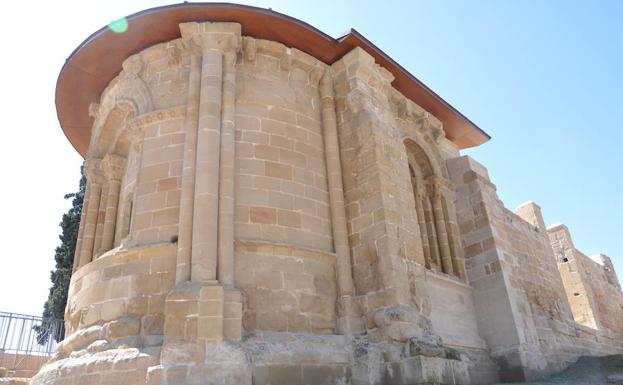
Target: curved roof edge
(97,60)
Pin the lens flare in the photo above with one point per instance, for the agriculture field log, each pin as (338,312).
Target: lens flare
(118,26)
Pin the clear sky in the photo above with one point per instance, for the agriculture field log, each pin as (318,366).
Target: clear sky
(543,78)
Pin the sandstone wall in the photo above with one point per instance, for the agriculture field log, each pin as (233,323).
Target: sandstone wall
(281,175)
(129,284)
(591,284)
(286,288)
(452,312)
(521,302)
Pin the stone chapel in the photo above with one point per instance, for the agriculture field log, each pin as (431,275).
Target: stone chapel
(267,204)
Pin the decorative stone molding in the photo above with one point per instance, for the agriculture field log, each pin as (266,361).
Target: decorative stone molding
(151,117)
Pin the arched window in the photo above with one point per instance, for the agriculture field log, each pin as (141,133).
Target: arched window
(438,233)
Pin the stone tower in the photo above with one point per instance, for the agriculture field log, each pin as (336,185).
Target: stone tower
(266,204)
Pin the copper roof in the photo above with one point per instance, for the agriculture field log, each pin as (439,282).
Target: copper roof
(92,65)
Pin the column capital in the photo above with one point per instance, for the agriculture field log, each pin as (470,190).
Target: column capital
(93,170)
(438,185)
(112,167)
(420,192)
(217,36)
(326,82)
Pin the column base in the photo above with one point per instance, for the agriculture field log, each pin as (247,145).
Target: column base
(199,312)
(349,321)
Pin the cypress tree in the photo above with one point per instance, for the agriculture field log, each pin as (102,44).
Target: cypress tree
(54,307)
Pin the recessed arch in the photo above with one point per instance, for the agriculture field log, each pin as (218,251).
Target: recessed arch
(111,127)
(419,160)
(434,210)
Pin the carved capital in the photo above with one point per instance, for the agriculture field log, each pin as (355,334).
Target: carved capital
(190,47)
(439,187)
(208,36)
(326,83)
(93,171)
(113,167)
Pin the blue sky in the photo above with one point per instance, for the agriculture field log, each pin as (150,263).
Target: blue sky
(543,78)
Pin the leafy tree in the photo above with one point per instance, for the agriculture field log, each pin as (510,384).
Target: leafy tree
(54,307)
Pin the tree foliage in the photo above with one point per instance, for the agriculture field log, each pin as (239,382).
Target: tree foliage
(54,307)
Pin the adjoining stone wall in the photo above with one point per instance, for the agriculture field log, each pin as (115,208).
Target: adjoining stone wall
(591,284)
(606,293)
(494,310)
(521,301)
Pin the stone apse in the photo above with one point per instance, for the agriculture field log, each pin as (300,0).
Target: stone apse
(268,205)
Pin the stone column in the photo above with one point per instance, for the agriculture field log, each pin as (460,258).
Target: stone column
(184,242)
(442,235)
(215,40)
(83,215)
(114,166)
(205,210)
(226,185)
(94,180)
(419,209)
(453,237)
(101,214)
(433,244)
(199,301)
(349,318)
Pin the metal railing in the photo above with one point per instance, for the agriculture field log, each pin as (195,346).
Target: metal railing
(26,342)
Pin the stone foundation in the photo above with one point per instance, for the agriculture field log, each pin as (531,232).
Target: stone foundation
(264,358)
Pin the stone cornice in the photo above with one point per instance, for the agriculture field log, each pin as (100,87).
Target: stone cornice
(218,36)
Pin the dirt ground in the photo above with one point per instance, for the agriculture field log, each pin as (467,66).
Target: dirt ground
(588,371)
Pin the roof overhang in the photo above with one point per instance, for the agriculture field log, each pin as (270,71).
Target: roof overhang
(92,65)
